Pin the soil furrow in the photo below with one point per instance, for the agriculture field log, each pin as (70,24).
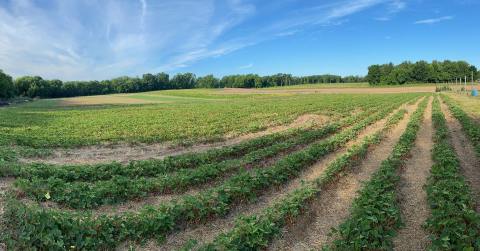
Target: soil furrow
(469,162)
(331,208)
(412,195)
(208,231)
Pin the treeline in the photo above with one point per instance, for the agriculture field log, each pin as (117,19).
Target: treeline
(421,72)
(35,86)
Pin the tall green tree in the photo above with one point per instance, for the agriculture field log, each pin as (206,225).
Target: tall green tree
(7,88)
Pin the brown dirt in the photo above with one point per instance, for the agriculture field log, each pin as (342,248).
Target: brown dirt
(469,162)
(208,231)
(353,90)
(331,208)
(124,153)
(413,198)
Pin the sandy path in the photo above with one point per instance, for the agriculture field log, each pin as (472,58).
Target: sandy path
(208,231)
(469,162)
(332,207)
(125,153)
(413,198)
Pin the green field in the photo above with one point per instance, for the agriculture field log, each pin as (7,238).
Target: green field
(275,190)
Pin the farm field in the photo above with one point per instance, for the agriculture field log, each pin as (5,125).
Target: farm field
(307,168)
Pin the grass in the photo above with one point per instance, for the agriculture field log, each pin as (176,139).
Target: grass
(469,104)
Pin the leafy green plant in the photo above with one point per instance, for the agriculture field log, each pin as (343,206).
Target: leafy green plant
(375,214)
(453,223)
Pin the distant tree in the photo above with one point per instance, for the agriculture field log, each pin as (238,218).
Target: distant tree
(7,88)
(184,81)
(374,75)
(208,81)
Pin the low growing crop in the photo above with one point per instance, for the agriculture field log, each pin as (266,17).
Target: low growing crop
(453,222)
(375,214)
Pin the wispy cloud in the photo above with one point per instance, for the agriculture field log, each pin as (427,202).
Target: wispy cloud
(247,66)
(87,39)
(434,20)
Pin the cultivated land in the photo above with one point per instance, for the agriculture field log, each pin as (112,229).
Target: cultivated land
(299,168)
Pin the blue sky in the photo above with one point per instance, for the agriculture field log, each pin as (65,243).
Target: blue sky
(88,39)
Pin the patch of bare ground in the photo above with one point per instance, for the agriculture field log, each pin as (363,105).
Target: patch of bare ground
(469,162)
(5,184)
(206,232)
(332,206)
(125,153)
(412,195)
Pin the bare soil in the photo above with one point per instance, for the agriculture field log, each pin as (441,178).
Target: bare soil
(208,231)
(332,207)
(469,162)
(412,196)
(125,153)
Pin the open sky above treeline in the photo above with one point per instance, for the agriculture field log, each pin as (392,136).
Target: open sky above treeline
(85,40)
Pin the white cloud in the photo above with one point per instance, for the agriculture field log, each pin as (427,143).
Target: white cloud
(434,20)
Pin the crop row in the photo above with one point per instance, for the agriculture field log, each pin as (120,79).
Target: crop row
(255,232)
(375,214)
(453,222)
(147,168)
(471,128)
(29,225)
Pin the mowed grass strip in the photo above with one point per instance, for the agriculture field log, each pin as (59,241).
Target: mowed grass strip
(375,213)
(453,223)
(28,226)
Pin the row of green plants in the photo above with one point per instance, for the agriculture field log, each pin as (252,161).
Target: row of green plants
(471,128)
(453,222)
(375,213)
(29,225)
(82,195)
(256,231)
(148,168)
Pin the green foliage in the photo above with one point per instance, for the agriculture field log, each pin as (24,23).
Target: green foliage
(375,214)
(7,89)
(254,232)
(453,222)
(29,225)
(418,72)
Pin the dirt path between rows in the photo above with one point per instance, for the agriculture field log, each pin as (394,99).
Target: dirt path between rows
(412,196)
(125,153)
(332,207)
(208,231)
(5,184)
(469,162)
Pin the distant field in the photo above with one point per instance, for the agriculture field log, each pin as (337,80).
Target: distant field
(188,115)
